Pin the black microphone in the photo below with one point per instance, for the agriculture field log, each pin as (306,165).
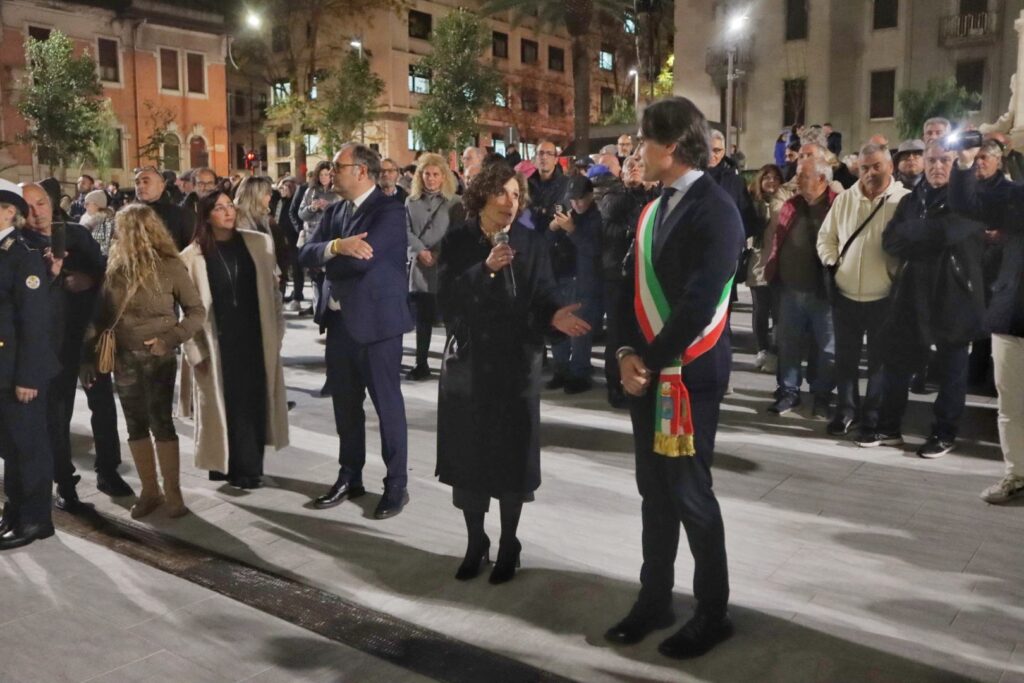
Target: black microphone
(510,277)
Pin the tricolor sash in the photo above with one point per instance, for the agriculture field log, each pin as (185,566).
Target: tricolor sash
(673,422)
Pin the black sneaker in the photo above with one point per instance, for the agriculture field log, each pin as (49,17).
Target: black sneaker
(418,373)
(870,439)
(111,483)
(784,404)
(577,385)
(820,409)
(935,447)
(840,425)
(919,384)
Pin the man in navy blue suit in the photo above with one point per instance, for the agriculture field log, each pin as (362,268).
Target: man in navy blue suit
(676,356)
(361,245)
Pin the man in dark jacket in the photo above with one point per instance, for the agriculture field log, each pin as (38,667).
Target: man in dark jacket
(834,139)
(150,189)
(723,171)
(74,289)
(938,300)
(388,182)
(85,185)
(696,234)
(1003,206)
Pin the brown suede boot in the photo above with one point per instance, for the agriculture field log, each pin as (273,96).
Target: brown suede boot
(145,464)
(170,463)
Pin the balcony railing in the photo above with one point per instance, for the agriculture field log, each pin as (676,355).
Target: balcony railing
(716,61)
(979,28)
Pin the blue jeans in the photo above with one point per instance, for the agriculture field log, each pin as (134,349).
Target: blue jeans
(572,354)
(804,315)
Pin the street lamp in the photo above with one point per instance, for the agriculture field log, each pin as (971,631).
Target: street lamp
(253,20)
(732,34)
(357,44)
(636,89)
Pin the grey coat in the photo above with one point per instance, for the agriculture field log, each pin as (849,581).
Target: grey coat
(428,219)
(310,216)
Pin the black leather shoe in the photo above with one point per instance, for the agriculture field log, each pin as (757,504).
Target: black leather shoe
(342,489)
(246,483)
(418,373)
(507,563)
(111,483)
(478,553)
(840,425)
(19,538)
(67,500)
(697,636)
(391,503)
(637,625)
(7,519)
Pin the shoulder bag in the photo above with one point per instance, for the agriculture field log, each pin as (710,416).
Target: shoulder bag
(106,344)
(831,289)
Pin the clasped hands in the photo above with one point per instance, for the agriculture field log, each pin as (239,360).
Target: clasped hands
(355,246)
(636,376)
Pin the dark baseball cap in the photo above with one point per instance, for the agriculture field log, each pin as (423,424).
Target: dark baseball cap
(580,187)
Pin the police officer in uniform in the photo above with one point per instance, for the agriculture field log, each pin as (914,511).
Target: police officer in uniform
(27,364)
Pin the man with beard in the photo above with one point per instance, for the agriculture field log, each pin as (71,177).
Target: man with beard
(150,188)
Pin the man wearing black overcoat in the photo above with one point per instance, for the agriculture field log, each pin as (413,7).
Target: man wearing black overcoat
(697,235)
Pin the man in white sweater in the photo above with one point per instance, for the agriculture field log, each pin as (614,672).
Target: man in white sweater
(851,237)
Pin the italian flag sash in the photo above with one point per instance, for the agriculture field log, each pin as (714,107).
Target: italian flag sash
(673,423)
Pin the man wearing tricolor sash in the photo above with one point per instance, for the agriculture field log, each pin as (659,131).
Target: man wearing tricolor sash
(674,358)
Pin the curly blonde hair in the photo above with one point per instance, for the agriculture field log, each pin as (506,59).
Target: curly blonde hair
(141,243)
(448,184)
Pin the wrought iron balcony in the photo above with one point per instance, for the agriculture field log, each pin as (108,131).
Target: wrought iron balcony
(959,30)
(716,62)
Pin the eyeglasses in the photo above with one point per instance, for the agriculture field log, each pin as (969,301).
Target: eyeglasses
(338,167)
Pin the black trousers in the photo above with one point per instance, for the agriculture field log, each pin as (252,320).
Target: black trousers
(353,369)
(60,409)
(28,460)
(245,403)
(764,312)
(612,298)
(425,305)
(950,364)
(853,320)
(674,491)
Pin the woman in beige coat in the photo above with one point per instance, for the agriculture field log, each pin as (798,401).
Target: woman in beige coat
(239,401)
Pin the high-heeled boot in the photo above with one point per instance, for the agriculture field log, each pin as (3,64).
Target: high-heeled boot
(507,563)
(145,464)
(170,463)
(478,547)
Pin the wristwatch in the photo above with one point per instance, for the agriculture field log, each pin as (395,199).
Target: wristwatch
(623,352)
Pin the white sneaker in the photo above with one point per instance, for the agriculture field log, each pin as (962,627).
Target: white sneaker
(1010,486)
(759,359)
(293,306)
(771,363)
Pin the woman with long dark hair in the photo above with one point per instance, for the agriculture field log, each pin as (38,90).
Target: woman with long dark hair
(239,400)
(497,295)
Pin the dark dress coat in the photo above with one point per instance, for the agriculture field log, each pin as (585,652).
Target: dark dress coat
(488,438)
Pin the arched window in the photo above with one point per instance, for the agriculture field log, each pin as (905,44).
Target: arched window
(172,152)
(198,155)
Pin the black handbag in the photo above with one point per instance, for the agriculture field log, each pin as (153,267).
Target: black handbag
(831,289)
(456,369)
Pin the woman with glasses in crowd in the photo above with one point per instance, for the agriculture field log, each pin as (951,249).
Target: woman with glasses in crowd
(145,281)
(497,295)
(239,402)
(432,207)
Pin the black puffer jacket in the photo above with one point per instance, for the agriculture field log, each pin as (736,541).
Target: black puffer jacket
(729,179)
(938,296)
(620,209)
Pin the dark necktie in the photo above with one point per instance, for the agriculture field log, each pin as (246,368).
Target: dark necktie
(346,220)
(663,207)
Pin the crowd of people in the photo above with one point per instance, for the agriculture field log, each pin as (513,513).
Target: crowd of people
(912,256)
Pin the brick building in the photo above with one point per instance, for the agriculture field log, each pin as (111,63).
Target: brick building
(151,54)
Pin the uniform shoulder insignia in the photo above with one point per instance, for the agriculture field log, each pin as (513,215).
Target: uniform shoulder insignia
(32,282)
(6,244)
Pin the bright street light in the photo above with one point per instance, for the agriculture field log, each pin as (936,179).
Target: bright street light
(737,23)
(636,89)
(357,44)
(253,20)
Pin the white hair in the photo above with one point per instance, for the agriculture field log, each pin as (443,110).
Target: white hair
(939,120)
(871,148)
(717,135)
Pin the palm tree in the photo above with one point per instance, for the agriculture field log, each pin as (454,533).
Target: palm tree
(576,16)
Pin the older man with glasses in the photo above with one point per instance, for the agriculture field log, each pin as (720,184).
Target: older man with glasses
(388,181)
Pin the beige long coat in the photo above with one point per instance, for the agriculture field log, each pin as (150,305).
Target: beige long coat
(206,401)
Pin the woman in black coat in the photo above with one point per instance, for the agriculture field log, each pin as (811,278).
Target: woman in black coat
(498,299)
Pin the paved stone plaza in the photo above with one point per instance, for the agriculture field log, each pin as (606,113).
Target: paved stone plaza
(847,564)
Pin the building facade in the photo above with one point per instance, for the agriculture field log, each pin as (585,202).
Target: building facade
(535,62)
(840,61)
(155,60)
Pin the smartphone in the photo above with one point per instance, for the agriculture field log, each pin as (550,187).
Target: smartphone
(58,240)
(959,141)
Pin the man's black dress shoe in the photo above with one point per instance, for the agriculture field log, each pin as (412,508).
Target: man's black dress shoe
(391,503)
(697,636)
(637,625)
(18,538)
(111,483)
(342,489)
(67,500)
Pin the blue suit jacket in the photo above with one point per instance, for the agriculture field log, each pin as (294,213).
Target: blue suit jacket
(695,253)
(373,294)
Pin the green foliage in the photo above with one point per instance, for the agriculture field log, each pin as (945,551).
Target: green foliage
(462,84)
(159,120)
(571,14)
(663,85)
(60,101)
(939,98)
(623,112)
(105,144)
(348,101)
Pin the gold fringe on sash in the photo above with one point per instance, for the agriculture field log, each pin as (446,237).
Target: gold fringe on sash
(674,446)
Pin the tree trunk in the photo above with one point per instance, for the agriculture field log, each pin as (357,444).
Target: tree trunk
(581,94)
